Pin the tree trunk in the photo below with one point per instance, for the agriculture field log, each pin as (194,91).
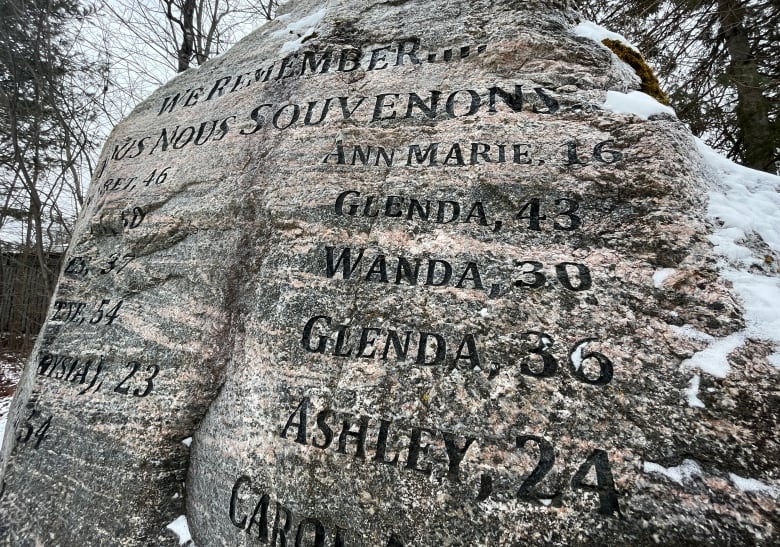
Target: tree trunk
(752,105)
(188,35)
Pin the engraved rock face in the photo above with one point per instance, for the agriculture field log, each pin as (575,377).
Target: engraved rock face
(395,272)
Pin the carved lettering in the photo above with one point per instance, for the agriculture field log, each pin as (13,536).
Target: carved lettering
(416,448)
(309,63)
(69,311)
(89,375)
(348,263)
(322,335)
(252,510)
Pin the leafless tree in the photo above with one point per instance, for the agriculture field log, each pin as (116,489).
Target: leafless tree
(49,102)
(182,32)
(718,62)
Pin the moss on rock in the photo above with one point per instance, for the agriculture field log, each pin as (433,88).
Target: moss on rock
(628,55)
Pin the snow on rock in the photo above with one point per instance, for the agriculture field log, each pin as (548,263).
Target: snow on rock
(693,333)
(679,474)
(689,469)
(597,33)
(303,29)
(714,358)
(662,275)
(180,528)
(635,102)
(576,356)
(760,295)
(693,392)
(744,203)
(744,200)
(725,242)
(753,485)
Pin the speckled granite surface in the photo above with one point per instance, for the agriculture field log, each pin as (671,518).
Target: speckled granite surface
(392,269)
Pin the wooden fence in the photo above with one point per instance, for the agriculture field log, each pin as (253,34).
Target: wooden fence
(24,297)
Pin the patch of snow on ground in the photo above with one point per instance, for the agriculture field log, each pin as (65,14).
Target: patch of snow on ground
(187,441)
(679,474)
(180,528)
(597,33)
(635,102)
(11,365)
(302,29)
(753,485)
(5,406)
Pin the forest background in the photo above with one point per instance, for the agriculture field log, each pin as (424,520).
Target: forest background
(71,69)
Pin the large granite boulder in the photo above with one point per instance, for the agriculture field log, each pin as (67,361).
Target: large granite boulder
(399,280)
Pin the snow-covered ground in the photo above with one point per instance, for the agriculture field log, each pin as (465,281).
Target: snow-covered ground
(11,365)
